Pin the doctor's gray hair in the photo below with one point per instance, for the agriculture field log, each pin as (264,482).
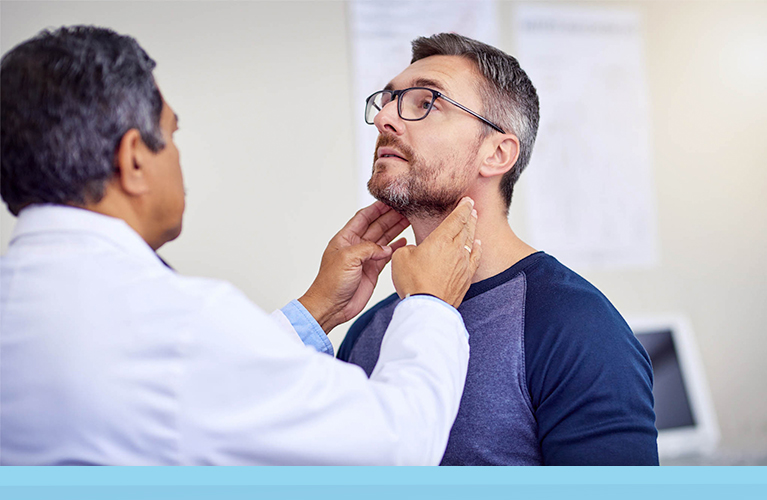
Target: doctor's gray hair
(67,97)
(508,96)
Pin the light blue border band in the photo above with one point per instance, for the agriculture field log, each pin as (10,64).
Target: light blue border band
(313,476)
(384,483)
(386,492)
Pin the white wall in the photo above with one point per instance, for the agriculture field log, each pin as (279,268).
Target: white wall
(263,91)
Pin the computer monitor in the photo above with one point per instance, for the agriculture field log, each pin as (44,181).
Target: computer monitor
(684,412)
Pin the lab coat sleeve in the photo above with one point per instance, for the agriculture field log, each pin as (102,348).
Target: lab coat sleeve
(252,395)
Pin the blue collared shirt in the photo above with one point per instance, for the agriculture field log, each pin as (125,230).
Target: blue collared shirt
(307,328)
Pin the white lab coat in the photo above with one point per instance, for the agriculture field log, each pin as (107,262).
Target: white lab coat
(109,357)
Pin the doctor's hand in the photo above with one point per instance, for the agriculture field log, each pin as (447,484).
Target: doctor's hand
(351,264)
(445,262)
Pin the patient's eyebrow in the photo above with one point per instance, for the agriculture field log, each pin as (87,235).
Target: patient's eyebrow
(428,82)
(422,82)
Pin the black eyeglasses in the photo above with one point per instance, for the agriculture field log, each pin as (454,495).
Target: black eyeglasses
(413,104)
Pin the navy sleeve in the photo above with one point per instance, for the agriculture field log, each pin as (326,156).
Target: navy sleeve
(345,349)
(589,378)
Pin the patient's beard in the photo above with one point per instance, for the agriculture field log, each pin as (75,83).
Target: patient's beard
(415,193)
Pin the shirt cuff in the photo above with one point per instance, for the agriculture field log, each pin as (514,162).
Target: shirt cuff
(432,298)
(307,328)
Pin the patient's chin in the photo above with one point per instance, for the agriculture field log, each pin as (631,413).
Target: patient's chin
(392,193)
(414,203)
(417,194)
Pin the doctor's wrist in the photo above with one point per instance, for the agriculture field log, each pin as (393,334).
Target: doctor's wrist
(320,311)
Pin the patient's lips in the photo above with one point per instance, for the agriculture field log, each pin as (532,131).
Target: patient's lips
(390,153)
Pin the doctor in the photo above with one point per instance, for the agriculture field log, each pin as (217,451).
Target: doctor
(110,357)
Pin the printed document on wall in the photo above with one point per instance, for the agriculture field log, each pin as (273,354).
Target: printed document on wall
(381,33)
(589,187)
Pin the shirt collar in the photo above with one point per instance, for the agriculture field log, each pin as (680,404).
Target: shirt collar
(36,219)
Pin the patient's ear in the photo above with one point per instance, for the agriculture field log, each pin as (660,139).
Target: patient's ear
(503,155)
(131,161)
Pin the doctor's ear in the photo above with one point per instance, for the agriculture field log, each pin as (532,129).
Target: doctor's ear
(502,157)
(131,160)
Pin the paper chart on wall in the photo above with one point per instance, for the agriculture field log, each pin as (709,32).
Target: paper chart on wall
(589,192)
(381,32)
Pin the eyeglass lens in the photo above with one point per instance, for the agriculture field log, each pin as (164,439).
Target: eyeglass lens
(414,104)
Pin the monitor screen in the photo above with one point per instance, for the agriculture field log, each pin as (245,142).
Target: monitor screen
(672,402)
(684,413)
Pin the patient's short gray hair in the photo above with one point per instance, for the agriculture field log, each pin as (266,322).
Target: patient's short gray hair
(508,96)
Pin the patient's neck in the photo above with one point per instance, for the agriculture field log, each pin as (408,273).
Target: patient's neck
(501,248)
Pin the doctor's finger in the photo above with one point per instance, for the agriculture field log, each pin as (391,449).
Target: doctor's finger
(393,232)
(455,222)
(382,226)
(466,236)
(362,220)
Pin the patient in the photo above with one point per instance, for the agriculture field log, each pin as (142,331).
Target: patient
(556,377)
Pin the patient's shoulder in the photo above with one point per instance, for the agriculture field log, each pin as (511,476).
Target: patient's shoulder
(384,306)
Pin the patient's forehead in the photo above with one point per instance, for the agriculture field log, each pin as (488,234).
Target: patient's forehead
(454,76)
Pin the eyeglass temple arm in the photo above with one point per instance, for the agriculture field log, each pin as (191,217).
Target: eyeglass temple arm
(488,122)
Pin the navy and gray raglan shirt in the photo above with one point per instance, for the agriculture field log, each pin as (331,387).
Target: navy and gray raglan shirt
(556,376)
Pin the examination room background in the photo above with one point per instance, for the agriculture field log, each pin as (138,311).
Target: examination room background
(263,92)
